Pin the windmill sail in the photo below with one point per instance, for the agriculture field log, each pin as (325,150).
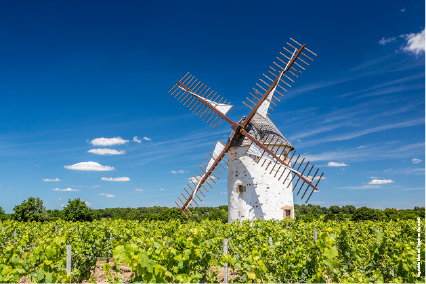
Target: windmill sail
(263,108)
(199,97)
(267,89)
(216,152)
(223,108)
(260,153)
(218,155)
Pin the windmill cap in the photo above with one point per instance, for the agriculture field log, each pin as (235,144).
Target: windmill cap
(258,122)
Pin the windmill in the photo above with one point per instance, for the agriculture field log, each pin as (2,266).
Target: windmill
(262,165)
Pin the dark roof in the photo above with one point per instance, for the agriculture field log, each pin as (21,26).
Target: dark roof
(258,122)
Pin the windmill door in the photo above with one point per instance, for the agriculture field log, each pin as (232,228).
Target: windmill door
(287,214)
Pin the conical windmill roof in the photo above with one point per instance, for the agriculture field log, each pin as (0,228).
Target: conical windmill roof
(266,124)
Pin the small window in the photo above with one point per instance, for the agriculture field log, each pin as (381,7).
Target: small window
(240,188)
(287,214)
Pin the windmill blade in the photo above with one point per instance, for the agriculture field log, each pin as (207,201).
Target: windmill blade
(219,154)
(269,157)
(269,90)
(186,92)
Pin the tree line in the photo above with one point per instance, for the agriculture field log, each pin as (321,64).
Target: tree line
(349,212)
(77,210)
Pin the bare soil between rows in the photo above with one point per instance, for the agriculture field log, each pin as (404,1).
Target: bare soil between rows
(125,274)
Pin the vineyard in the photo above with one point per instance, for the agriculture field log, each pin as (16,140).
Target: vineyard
(258,251)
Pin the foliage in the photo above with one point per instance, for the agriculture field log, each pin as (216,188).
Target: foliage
(172,251)
(364,213)
(408,214)
(348,209)
(172,214)
(31,210)
(334,209)
(380,214)
(3,215)
(221,215)
(77,210)
(199,214)
(328,217)
(391,214)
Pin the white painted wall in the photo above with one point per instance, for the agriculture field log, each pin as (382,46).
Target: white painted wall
(264,196)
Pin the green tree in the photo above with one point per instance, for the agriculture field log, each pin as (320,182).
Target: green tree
(391,214)
(348,209)
(77,210)
(30,210)
(381,215)
(3,215)
(329,217)
(221,215)
(407,214)
(335,209)
(364,213)
(340,217)
(307,218)
(224,207)
(172,213)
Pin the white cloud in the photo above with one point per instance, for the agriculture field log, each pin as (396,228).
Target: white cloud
(178,172)
(361,147)
(116,179)
(107,194)
(351,135)
(87,203)
(411,171)
(416,161)
(138,189)
(62,205)
(95,186)
(373,177)
(414,188)
(366,186)
(108,141)
(410,147)
(135,139)
(194,179)
(316,178)
(60,198)
(403,10)
(89,166)
(65,189)
(223,192)
(384,41)
(146,139)
(106,151)
(334,164)
(49,179)
(380,181)
(161,189)
(415,42)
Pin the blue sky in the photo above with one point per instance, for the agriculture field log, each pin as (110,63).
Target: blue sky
(75,71)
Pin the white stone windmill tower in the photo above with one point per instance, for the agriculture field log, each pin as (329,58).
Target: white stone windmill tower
(261,169)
